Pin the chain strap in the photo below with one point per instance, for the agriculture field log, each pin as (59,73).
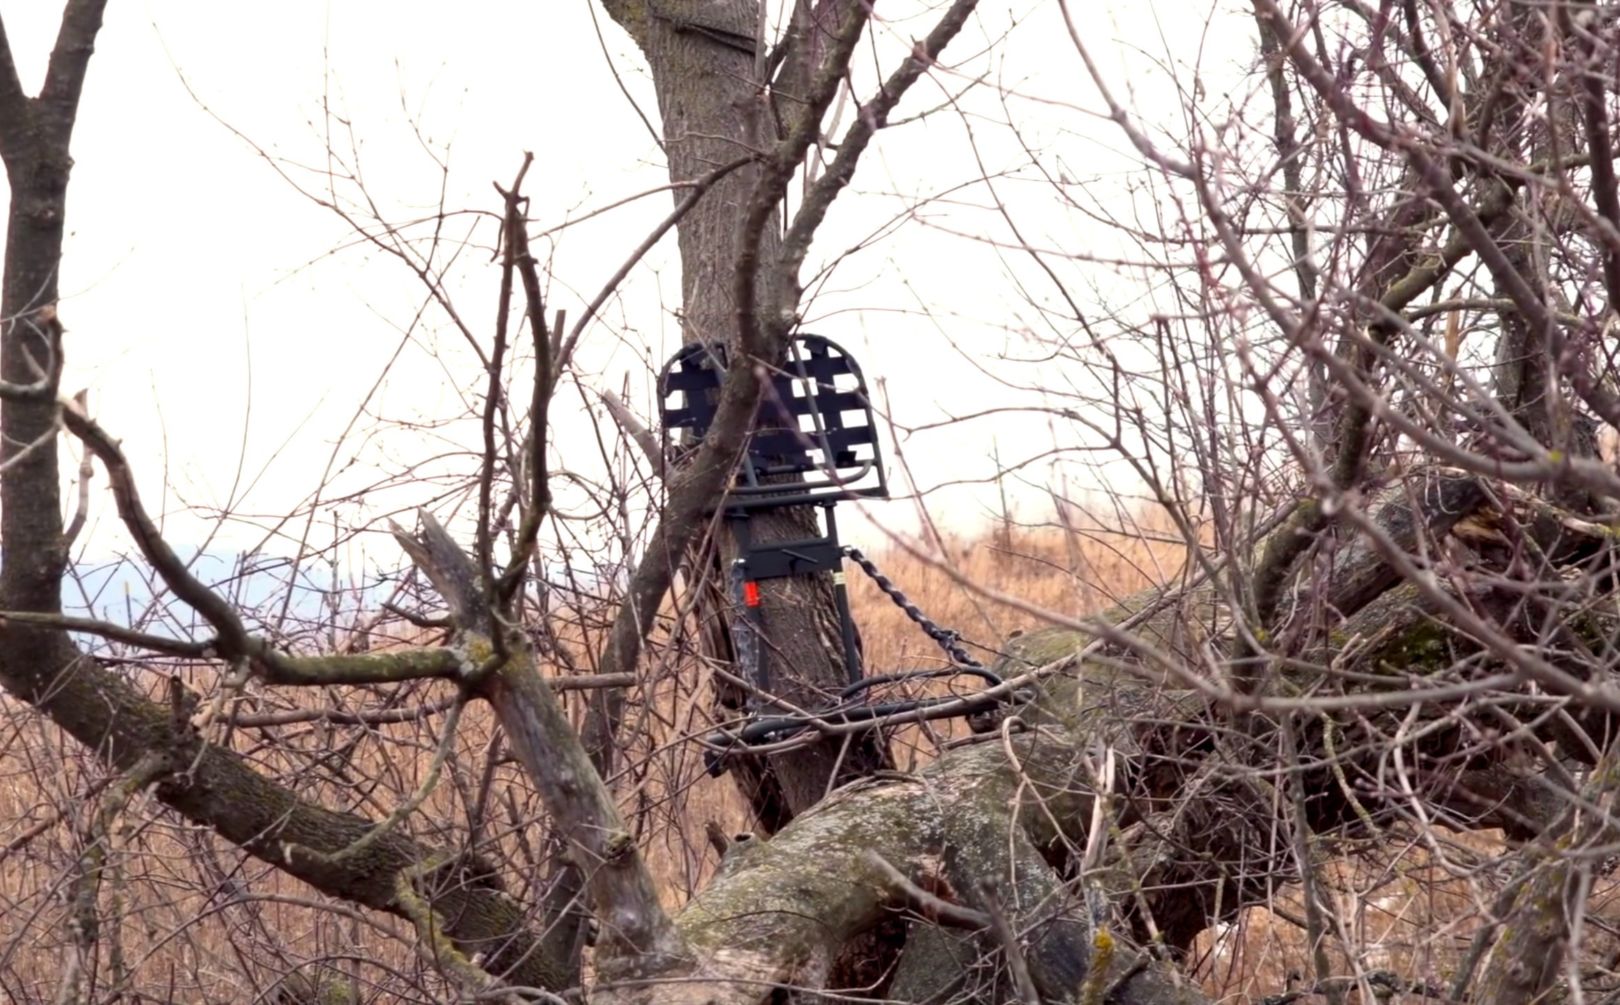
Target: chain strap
(949,640)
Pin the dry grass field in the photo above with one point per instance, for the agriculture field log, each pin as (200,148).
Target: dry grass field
(189,918)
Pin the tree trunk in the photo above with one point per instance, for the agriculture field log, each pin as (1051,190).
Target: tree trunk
(705,61)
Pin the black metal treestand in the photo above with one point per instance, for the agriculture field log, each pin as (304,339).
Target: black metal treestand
(814,443)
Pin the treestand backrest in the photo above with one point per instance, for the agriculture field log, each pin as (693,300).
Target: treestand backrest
(814,438)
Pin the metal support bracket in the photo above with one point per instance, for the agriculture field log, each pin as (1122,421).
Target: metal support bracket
(783,559)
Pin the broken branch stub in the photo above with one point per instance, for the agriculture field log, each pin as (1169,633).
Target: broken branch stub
(636,936)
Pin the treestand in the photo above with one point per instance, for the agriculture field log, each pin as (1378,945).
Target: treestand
(814,442)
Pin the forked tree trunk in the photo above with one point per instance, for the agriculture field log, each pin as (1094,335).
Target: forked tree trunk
(99,708)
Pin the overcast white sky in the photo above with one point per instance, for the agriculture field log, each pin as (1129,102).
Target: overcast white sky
(228,328)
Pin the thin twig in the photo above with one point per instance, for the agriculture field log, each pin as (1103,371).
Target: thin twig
(933,908)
